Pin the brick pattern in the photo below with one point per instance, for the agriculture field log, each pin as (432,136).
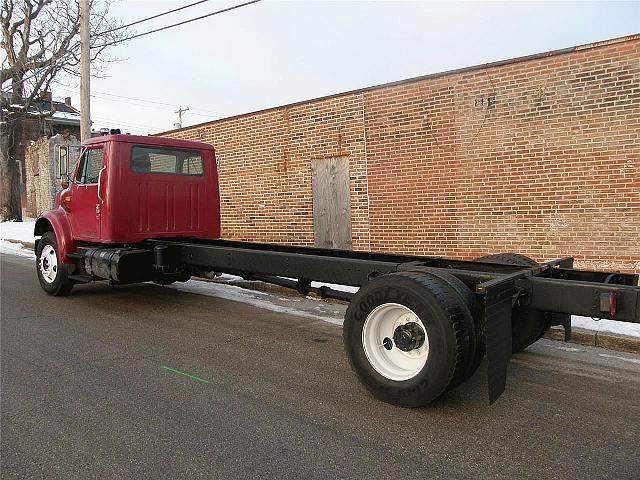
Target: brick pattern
(539,156)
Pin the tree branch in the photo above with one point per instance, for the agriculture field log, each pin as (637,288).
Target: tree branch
(32,14)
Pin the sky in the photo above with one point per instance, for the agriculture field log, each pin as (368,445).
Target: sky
(278,52)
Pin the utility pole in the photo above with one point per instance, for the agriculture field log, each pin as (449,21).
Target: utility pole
(85,72)
(180,111)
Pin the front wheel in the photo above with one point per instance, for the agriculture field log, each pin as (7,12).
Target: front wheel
(406,337)
(52,275)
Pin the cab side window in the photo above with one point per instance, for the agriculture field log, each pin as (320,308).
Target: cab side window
(81,165)
(90,166)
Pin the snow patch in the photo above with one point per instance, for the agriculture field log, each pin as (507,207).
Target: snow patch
(20,231)
(617,357)
(611,326)
(251,297)
(334,286)
(13,248)
(66,116)
(566,349)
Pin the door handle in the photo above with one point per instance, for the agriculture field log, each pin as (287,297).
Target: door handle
(100,183)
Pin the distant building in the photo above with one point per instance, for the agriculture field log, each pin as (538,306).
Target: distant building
(47,161)
(45,118)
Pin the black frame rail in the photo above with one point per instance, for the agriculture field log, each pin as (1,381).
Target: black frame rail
(553,287)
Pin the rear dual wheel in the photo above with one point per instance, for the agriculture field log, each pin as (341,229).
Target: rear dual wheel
(410,336)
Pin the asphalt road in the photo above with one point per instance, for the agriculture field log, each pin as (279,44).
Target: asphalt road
(84,395)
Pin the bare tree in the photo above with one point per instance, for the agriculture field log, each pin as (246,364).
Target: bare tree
(40,41)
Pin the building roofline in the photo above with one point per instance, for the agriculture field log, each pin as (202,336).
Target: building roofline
(63,121)
(148,140)
(499,63)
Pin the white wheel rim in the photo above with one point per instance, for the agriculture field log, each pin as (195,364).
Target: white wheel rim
(394,364)
(48,264)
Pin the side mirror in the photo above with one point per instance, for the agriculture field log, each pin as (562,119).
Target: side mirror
(64,181)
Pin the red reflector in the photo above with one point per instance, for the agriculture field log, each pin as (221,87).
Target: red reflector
(612,303)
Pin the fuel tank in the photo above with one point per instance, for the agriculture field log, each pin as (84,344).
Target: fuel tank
(121,265)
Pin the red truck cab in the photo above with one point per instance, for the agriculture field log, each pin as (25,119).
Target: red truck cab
(125,189)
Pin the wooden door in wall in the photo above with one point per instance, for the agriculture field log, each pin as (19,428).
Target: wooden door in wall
(331,203)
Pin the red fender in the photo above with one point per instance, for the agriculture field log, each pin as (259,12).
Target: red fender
(57,221)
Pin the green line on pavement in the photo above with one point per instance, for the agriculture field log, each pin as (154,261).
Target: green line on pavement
(192,377)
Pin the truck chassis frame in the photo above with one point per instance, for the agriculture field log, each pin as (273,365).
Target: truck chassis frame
(552,287)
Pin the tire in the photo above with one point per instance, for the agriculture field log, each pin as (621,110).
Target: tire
(477,347)
(474,322)
(407,378)
(527,326)
(52,275)
(508,259)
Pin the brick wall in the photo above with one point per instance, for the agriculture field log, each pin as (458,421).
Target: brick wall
(539,156)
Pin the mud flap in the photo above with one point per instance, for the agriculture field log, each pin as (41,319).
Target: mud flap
(497,314)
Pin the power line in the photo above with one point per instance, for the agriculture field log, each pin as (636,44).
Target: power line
(100,97)
(125,126)
(137,99)
(122,96)
(126,122)
(177,24)
(115,100)
(129,124)
(152,17)
(160,104)
(137,126)
(98,94)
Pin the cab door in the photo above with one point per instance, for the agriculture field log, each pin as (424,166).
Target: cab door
(84,205)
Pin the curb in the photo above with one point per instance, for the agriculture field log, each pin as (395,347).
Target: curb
(610,341)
